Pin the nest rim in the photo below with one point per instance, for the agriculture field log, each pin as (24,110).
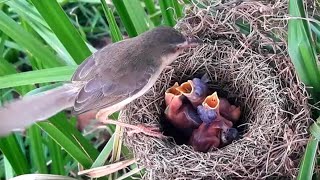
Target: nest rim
(276,118)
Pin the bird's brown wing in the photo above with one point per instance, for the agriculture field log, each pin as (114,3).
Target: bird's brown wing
(105,61)
(112,75)
(100,92)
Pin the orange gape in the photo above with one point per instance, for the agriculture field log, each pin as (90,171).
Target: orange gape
(195,90)
(180,112)
(185,87)
(212,101)
(172,93)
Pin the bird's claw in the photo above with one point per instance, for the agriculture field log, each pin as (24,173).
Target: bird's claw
(150,131)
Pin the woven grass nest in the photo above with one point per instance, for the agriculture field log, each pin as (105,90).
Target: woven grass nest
(252,71)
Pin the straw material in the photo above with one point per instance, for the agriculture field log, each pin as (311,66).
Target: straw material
(251,68)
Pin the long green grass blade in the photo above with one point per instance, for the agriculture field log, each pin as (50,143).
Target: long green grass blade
(58,21)
(129,174)
(315,27)
(25,9)
(132,16)
(68,137)
(151,9)
(25,39)
(114,28)
(34,19)
(39,76)
(55,154)
(42,177)
(178,9)
(36,149)
(167,10)
(12,150)
(138,16)
(3,39)
(125,18)
(306,170)
(301,47)
(7,68)
(9,172)
(307,163)
(104,154)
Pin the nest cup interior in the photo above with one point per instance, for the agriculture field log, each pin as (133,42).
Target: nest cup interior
(181,136)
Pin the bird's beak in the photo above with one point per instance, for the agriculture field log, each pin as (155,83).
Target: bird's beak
(172,90)
(172,93)
(191,42)
(186,87)
(212,101)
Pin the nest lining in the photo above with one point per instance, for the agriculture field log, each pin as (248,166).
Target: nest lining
(275,113)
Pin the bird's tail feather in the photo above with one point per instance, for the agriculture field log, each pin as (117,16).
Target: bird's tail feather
(23,112)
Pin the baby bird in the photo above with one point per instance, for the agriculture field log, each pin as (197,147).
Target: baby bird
(179,111)
(228,135)
(172,94)
(215,135)
(217,131)
(209,110)
(229,111)
(221,106)
(195,90)
(205,137)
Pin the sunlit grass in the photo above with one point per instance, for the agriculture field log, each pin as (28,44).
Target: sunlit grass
(42,42)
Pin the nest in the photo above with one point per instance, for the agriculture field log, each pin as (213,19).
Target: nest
(253,70)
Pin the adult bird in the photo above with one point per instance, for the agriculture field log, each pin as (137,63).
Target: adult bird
(106,81)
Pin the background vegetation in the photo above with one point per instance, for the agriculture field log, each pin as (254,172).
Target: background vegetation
(43,41)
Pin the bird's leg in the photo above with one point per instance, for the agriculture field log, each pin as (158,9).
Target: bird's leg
(150,131)
(103,115)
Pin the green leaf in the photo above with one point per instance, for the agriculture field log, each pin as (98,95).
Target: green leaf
(68,137)
(3,40)
(104,154)
(38,76)
(25,9)
(6,69)
(167,10)
(114,29)
(301,47)
(9,172)
(151,8)
(315,27)
(307,162)
(42,177)
(36,149)
(178,9)
(55,153)
(129,174)
(26,40)
(34,19)
(132,16)
(12,150)
(58,21)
